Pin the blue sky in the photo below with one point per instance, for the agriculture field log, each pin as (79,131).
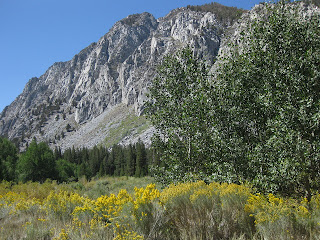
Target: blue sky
(36,33)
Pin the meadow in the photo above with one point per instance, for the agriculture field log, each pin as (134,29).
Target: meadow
(135,208)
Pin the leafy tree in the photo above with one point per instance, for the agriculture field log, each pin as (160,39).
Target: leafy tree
(178,106)
(65,170)
(8,160)
(268,97)
(258,120)
(83,170)
(37,163)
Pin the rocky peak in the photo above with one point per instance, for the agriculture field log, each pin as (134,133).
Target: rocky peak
(72,102)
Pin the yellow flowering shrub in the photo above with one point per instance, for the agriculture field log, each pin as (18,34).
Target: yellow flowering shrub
(16,202)
(63,203)
(63,235)
(145,206)
(111,206)
(206,206)
(127,235)
(228,189)
(267,209)
(193,210)
(104,213)
(180,190)
(5,187)
(315,201)
(145,196)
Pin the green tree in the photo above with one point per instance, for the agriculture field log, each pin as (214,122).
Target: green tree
(104,167)
(94,161)
(268,98)
(117,160)
(57,153)
(65,170)
(83,170)
(141,167)
(8,160)
(130,157)
(37,163)
(178,106)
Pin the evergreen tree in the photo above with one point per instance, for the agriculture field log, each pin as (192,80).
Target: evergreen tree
(117,159)
(74,157)
(94,161)
(130,157)
(84,156)
(8,160)
(104,167)
(57,153)
(82,170)
(141,160)
(67,155)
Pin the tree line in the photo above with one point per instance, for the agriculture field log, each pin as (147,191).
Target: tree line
(39,162)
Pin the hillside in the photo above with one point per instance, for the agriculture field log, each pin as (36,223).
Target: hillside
(89,99)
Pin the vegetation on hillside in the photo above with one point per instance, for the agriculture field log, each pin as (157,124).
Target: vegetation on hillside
(225,15)
(315,2)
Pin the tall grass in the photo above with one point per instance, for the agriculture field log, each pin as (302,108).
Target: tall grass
(112,208)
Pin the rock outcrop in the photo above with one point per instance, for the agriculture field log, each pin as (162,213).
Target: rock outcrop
(82,102)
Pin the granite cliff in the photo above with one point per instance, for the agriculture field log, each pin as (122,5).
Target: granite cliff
(97,97)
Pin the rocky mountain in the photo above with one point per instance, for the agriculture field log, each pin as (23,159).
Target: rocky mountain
(97,97)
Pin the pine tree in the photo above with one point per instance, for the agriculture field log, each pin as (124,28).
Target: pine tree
(141,160)
(8,160)
(130,157)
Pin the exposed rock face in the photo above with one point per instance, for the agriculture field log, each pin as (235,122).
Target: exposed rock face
(72,97)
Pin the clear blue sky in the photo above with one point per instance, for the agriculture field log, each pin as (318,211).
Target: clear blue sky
(36,33)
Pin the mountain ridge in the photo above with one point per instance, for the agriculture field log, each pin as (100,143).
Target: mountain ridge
(109,75)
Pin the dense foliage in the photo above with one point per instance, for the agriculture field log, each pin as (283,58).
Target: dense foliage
(131,160)
(179,107)
(37,163)
(8,159)
(268,94)
(258,119)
